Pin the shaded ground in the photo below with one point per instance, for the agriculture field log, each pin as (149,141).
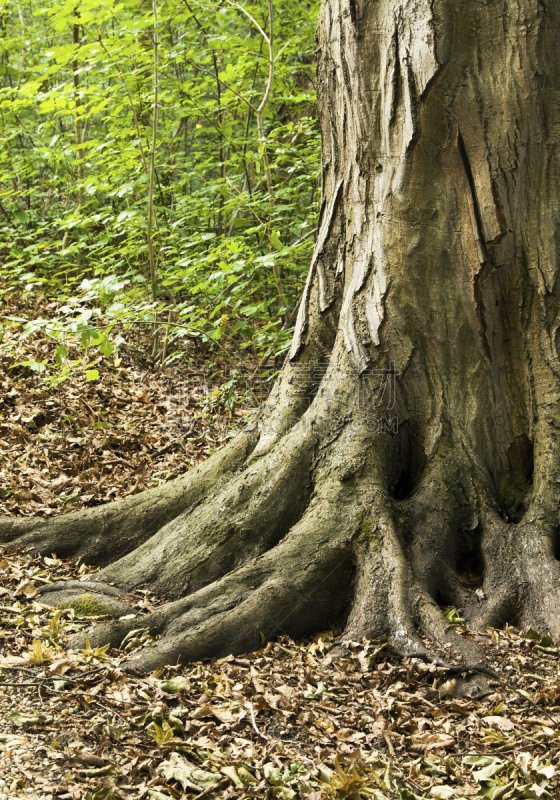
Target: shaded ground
(287,721)
(82,443)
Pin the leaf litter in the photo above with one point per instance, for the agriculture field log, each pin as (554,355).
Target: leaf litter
(78,443)
(288,721)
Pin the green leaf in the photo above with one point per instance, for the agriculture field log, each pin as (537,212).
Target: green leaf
(162,734)
(489,770)
(22,721)
(59,354)
(173,685)
(92,374)
(406,794)
(478,761)
(60,685)
(313,694)
(533,634)
(272,773)
(22,216)
(452,616)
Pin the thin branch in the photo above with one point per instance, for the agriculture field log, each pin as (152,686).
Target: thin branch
(151,260)
(253,20)
(134,117)
(226,85)
(78,132)
(260,127)
(254,724)
(270,42)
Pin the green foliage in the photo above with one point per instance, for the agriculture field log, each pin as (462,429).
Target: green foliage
(77,84)
(161,735)
(453,617)
(93,654)
(54,632)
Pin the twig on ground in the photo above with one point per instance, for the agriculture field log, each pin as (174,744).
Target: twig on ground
(254,724)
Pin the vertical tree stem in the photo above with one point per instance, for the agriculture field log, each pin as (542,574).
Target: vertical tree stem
(78,103)
(222,148)
(259,111)
(151,259)
(260,127)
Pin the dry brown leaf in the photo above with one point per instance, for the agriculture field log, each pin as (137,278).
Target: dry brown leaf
(26,588)
(378,727)
(502,723)
(222,714)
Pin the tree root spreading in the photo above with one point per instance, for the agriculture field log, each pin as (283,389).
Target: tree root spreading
(292,556)
(287,703)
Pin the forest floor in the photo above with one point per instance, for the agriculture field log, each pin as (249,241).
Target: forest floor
(67,442)
(287,721)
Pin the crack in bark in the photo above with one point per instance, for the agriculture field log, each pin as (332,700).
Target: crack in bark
(481,241)
(303,313)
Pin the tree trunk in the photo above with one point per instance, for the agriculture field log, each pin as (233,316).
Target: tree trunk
(408,456)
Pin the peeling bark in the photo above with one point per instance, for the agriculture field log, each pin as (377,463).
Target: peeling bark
(409,454)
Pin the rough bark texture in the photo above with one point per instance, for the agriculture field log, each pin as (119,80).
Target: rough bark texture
(408,456)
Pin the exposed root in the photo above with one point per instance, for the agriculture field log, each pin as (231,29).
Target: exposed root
(522,577)
(238,522)
(233,525)
(82,586)
(381,600)
(90,598)
(103,534)
(293,588)
(461,649)
(393,595)
(247,547)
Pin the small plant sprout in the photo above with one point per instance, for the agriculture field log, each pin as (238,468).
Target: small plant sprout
(39,652)
(94,654)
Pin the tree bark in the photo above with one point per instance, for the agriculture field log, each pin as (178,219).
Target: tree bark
(409,454)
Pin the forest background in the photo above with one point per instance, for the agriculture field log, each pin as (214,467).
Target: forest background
(159,169)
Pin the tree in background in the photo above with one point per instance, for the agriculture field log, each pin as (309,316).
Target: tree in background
(409,454)
(159,161)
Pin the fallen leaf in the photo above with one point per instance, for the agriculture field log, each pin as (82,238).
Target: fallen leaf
(187,774)
(22,721)
(442,792)
(222,714)
(26,588)
(503,723)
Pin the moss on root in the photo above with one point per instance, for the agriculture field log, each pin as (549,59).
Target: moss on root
(87,605)
(368,531)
